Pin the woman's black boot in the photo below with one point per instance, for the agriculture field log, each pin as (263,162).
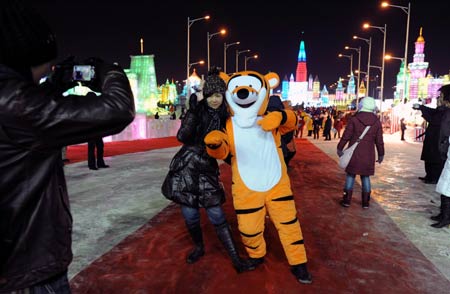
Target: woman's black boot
(196,234)
(224,234)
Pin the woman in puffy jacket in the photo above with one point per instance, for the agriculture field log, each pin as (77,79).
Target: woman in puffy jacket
(193,178)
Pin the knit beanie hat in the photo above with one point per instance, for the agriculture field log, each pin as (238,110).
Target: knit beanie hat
(25,38)
(214,83)
(368,104)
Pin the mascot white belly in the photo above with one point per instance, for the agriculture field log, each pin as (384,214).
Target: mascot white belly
(257,158)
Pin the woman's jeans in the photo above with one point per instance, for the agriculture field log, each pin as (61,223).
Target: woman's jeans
(350,182)
(192,215)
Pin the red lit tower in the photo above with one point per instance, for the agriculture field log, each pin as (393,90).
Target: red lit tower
(300,74)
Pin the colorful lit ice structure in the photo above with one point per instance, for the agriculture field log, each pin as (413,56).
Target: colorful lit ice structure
(143,67)
(418,67)
(300,74)
(324,96)
(351,89)
(339,91)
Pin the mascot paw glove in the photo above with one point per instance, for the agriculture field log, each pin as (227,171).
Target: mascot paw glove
(271,121)
(214,139)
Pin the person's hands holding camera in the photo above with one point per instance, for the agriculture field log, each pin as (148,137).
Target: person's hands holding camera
(61,76)
(101,69)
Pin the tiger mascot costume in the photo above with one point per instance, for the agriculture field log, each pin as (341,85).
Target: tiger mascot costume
(261,185)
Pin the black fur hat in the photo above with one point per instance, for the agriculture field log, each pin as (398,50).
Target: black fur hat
(445,90)
(25,38)
(214,83)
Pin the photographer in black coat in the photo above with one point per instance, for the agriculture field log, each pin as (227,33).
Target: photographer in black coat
(430,151)
(193,178)
(36,121)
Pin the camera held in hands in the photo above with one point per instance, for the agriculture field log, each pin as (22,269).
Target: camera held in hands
(416,106)
(83,73)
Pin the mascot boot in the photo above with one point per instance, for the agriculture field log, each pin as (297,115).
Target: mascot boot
(196,234)
(347,198)
(301,273)
(224,234)
(365,198)
(445,219)
(437,218)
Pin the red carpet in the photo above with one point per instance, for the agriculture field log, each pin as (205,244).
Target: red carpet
(350,250)
(78,153)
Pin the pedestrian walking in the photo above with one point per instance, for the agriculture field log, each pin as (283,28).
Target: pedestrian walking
(402,128)
(363,160)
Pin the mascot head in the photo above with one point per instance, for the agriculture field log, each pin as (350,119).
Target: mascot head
(248,95)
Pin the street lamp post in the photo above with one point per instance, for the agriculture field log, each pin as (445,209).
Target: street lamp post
(369,42)
(406,10)
(209,37)
(247,58)
(225,47)
(351,61)
(359,62)
(383,30)
(189,24)
(237,57)
(198,62)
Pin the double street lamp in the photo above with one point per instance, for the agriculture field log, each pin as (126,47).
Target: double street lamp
(225,47)
(237,57)
(247,58)
(351,61)
(369,42)
(406,10)
(359,62)
(209,37)
(383,30)
(189,24)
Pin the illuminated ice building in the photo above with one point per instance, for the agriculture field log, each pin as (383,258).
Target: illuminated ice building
(299,90)
(419,83)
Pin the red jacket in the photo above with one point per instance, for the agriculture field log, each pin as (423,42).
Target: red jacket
(363,159)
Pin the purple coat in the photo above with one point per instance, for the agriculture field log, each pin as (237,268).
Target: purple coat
(363,159)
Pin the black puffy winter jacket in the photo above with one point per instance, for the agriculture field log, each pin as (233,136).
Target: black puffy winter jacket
(193,178)
(35,123)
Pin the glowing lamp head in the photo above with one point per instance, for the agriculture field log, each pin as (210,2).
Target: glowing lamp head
(346,47)
(207,17)
(384,4)
(223,31)
(340,55)
(387,57)
(355,37)
(366,26)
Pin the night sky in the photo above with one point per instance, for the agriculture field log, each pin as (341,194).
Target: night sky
(112,30)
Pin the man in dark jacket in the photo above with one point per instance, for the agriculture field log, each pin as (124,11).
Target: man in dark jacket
(36,121)
(430,148)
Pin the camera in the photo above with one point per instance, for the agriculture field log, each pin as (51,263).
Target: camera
(416,106)
(83,73)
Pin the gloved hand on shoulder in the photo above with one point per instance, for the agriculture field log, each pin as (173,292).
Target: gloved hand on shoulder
(380,159)
(340,152)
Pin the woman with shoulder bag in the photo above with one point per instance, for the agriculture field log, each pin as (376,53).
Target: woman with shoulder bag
(363,159)
(193,178)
